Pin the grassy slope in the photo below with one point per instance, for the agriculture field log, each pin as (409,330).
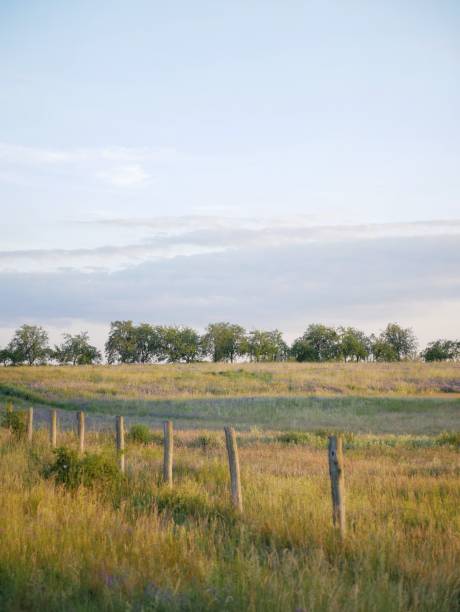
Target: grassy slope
(142,547)
(207,380)
(388,398)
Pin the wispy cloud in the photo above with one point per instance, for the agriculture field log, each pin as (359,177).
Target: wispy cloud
(125,176)
(169,237)
(118,167)
(363,282)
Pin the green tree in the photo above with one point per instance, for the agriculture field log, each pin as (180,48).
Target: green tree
(77,350)
(224,341)
(180,344)
(29,345)
(441,350)
(401,340)
(121,345)
(266,345)
(354,344)
(318,343)
(148,343)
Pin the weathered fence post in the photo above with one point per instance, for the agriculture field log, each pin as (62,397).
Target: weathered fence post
(168,447)
(30,424)
(53,428)
(234,465)
(335,454)
(121,442)
(81,430)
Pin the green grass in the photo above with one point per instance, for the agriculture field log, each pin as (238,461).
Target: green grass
(139,546)
(374,414)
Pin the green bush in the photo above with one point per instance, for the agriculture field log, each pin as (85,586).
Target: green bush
(295,437)
(449,438)
(72,471)
(14,421)
(140,434)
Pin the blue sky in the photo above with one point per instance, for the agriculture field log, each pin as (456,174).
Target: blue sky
(139,137)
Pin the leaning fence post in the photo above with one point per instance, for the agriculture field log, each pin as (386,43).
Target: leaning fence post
(168,446)
(81,430)
(30,424)
(335,454)
(121,442)
(53,428)
(234,465)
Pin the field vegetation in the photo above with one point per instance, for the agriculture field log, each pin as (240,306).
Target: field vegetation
(203,380)
(112,542)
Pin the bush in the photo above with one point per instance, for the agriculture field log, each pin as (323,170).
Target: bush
(449,438)
(295,437)
(14,421)
(140,434)
(72,471)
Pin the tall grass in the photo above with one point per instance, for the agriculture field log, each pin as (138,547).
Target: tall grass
(138,546)
(225,380)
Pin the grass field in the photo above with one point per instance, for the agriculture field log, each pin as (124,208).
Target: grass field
(139,546)
(406,398)
(133,544)
(208,380)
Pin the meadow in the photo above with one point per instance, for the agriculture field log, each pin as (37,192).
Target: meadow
(403,398)
(128,542)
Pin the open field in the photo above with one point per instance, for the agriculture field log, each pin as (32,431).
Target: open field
(139,546)
(131,543)
(405,398)
(209,380)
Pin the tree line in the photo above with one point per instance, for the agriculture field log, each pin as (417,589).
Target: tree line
(146,343)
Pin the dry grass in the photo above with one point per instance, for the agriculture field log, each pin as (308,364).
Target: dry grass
(141,547)
(206,380)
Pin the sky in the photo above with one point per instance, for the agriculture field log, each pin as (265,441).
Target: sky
(269,163)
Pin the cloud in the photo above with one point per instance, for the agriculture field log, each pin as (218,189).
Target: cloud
(169,237)
(361,282)
(125,176)
(118,167)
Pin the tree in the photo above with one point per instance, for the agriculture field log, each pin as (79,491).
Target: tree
(5,357)
(121,345)
(148,342)
(402,341)
(441,350)
(382,350)
(180,344)
(29,344)
(266,345)
(354,344)
(318,343)
(224,341)
(77,350)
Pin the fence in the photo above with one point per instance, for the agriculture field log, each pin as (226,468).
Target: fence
(335,459)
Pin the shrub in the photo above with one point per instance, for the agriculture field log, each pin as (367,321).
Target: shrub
(140,434)
(14,421)
(449,438)
(71,470)
(295,437)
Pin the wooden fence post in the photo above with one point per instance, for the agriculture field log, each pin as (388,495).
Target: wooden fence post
(81,430)
(120,425)
(53,428)
(234,465)
(30,424)
(168,448)
(335,454)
